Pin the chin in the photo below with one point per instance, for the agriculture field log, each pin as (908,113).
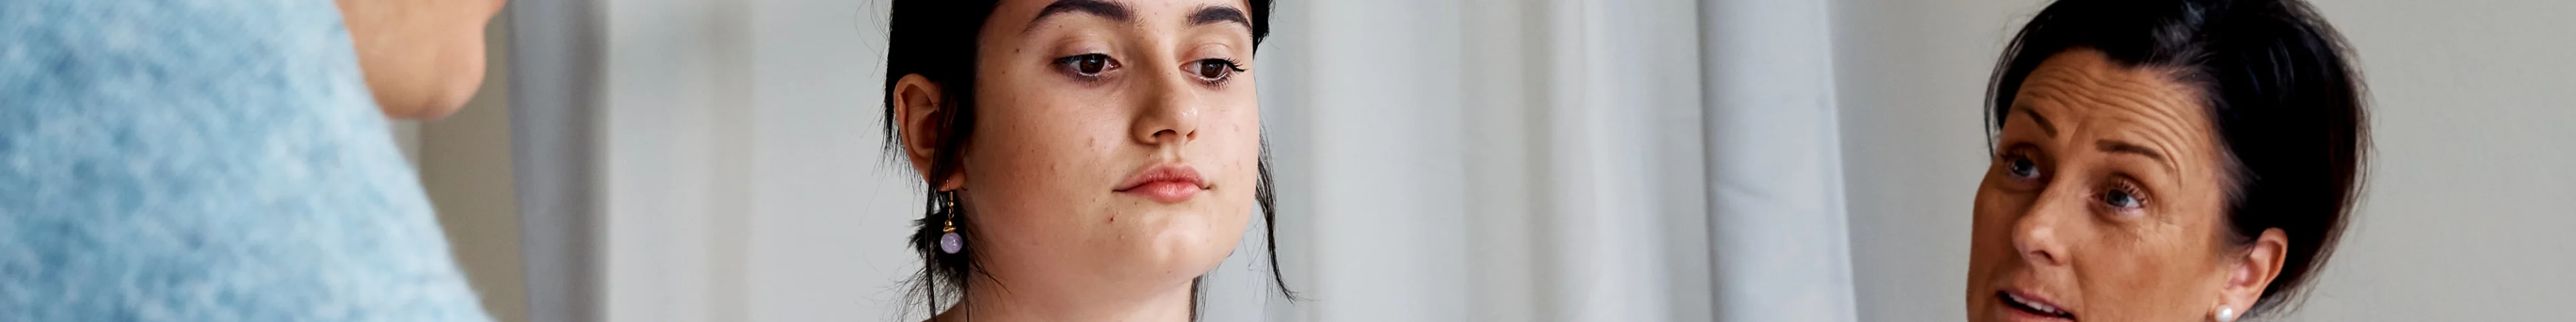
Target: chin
(1192,255)
(459,75)
(430,102)
(1185,247)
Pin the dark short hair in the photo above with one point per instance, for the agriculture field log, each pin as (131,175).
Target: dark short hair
(2279,87)
(938,39)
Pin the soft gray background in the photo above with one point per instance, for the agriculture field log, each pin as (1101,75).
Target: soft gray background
(1519,160)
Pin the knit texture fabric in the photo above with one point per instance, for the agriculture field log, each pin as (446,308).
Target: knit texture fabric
(205,160)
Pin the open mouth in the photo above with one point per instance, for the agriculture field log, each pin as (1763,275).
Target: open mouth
(2033,306)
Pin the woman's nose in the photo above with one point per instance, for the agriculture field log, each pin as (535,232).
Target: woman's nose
(1170,111)
(2038,234)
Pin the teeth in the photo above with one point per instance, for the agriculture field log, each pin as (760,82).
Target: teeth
(2016,298)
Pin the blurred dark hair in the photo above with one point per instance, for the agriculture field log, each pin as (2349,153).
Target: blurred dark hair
(938,39)
(2278,84)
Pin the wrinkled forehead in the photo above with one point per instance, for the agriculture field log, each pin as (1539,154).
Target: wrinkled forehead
(2083,85)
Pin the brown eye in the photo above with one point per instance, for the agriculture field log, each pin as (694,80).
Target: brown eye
(1085,65)
(1211,70)
(1216,70)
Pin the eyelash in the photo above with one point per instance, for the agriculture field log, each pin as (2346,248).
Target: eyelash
(1069,66)
(2010,156)
(1228,68)
(2109,197)
(1072,66)
(2137,198)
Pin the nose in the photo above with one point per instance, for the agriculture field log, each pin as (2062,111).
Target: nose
(2039,234)
(1169,113)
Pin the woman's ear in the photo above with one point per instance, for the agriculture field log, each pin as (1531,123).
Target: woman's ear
(2249,273)
(920,114)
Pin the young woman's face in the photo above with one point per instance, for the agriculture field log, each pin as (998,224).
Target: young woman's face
(1115,143)
(2103,202)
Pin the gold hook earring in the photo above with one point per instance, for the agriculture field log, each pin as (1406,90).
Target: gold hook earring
(949,241)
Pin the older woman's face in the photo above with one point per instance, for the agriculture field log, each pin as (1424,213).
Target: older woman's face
(1115,144)
(2104,202)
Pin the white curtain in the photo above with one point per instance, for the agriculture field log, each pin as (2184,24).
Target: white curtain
(1558,160)
(1776,182)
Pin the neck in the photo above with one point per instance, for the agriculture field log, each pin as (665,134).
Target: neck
(990,303)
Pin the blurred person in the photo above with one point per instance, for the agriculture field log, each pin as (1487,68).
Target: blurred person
(423,58)
(2164,160)
(226,160)
(1087,160)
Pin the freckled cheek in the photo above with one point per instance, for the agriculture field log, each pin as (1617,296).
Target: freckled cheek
(1068,158)
(1237,145)
(1038,161)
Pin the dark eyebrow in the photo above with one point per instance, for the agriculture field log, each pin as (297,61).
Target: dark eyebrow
(2132,148)
(2044,126)
(1104,9)
(1217,14)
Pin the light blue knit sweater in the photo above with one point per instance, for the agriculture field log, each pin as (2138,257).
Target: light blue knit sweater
(205,160)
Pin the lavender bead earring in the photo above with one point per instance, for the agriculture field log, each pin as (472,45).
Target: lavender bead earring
(949,241)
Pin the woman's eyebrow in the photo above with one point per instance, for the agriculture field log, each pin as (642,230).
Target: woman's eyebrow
(1104,9)
(2044,126)
(1219,14)
(2113,146)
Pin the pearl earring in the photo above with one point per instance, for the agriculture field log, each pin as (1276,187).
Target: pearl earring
(2225,314)
(950,242)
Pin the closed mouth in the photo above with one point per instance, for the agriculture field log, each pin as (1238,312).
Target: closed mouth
(1166,183)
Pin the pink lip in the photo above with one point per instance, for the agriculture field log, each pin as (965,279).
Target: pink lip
(1166,183)
(2013,313)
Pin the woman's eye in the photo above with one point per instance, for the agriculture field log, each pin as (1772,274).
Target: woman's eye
(2122,196)
(2021,167)
(1216,69)
(1085,65)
